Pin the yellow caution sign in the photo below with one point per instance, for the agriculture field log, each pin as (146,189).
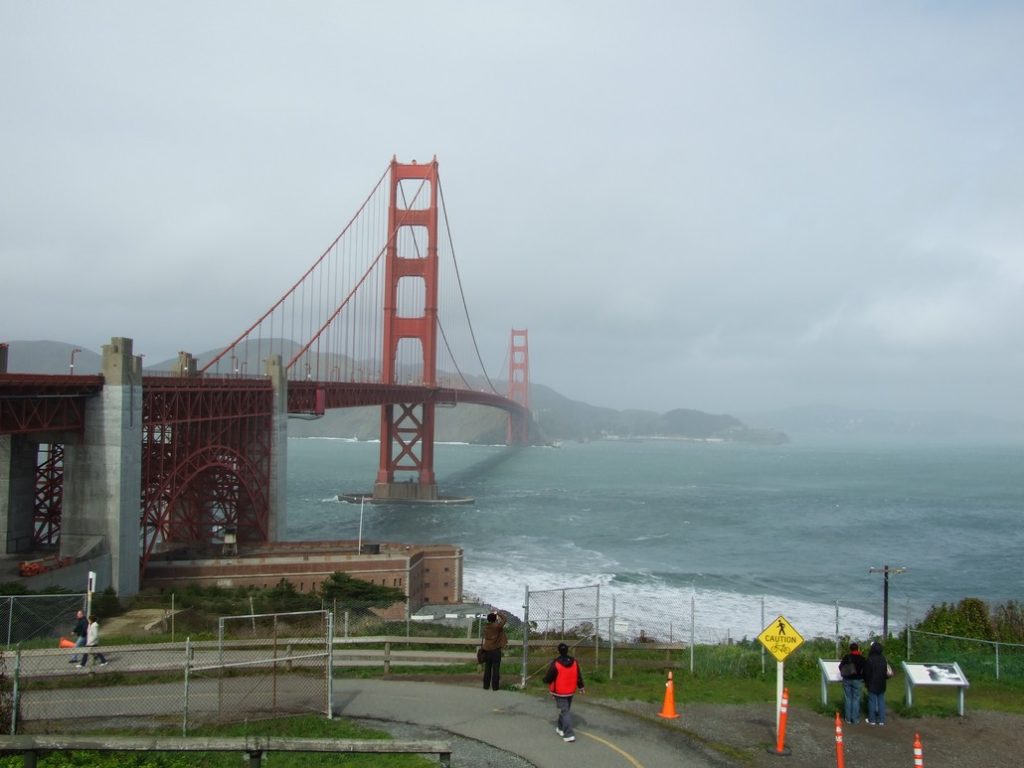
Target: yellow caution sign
(780,638)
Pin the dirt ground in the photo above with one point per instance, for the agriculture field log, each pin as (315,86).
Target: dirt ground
(977,740)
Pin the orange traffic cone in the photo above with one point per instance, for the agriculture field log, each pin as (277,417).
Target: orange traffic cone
(780,742)
(668,707)
(918,753)
(840,759)
(65,643)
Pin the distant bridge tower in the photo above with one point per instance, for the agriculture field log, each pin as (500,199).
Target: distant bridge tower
(519,386)
(410,279)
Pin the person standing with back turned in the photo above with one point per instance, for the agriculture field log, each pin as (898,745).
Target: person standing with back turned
(851,668)
(494,640)
(876,675)
(563,678)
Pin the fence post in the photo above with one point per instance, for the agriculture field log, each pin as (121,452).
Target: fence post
(693,600)
(563,616)
(387,658)
(997,660)
(837,630)
(16,693)
(611,643)
(330,665)
(526,636)
(10,618)
(597,625)
(188,666)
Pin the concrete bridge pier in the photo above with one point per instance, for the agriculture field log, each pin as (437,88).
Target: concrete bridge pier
(277,522)
(17,491)
(18,455)
(103,476)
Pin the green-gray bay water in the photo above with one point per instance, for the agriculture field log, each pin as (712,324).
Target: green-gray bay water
(732,532)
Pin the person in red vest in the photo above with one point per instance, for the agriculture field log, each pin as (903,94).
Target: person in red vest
(564,677)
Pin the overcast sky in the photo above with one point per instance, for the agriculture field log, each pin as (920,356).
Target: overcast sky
(728,206)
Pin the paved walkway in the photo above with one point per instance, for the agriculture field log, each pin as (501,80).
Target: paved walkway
(524,725)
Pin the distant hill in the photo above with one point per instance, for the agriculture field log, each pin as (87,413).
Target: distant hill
(821,422)
(50,357)
(556,417)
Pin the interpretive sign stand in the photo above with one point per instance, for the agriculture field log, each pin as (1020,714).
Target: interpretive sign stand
(829,674)
(935,674)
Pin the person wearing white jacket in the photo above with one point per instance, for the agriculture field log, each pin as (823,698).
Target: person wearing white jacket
(92,640)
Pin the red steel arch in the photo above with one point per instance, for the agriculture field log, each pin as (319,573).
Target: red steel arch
(206,461)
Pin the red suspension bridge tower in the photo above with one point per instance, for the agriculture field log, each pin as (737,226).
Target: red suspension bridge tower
(407,429)
(519,386)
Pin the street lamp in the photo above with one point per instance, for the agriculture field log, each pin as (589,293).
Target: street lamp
(71,363)
(885,570)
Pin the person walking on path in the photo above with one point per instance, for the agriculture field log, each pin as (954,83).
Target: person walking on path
(80,630)
(564,677)
(851,668)
(494,640)
(92,640)
(876,675)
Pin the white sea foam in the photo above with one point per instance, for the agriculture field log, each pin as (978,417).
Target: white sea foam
(658,609)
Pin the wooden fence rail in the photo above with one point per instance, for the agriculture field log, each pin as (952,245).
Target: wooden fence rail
(254,747)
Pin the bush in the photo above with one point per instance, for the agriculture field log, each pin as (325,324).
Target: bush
(968,618)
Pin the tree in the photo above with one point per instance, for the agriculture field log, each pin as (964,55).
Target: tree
(968,618)
(356,592)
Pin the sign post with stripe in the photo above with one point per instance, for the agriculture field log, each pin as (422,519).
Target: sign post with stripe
(780,639)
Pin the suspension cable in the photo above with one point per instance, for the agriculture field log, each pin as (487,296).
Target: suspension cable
(462,295)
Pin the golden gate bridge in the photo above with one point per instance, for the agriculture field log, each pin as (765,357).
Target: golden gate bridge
(132,463)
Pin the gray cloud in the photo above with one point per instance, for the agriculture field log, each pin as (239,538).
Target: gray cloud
(721,206)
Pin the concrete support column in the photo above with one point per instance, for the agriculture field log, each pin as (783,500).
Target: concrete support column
(103,474)
(277,525)
(18,457)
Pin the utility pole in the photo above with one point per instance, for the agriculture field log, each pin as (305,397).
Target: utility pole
(885,570)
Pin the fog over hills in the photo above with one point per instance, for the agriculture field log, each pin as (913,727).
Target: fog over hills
(558,417)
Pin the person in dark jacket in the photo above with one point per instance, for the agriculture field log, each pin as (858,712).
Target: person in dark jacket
(851,668)
(80,632)
(494,640)
(564,677)
(876,675)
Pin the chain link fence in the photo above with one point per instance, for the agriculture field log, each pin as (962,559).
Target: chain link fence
(258,666)
(38,617)
(605,631)
(979,659)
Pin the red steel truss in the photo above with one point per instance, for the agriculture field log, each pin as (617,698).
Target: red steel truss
(407,434)
(49,497)
(206,461)
(32,402)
